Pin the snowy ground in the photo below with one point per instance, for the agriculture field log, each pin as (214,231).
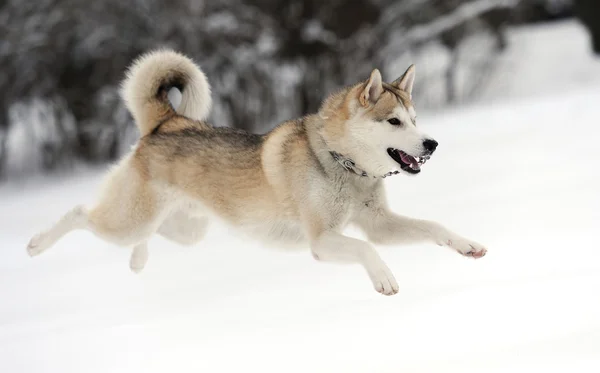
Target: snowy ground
(520,177)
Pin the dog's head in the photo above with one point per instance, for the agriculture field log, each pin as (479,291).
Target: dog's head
(374,124)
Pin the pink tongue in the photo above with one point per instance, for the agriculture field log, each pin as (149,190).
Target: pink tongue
(407,159)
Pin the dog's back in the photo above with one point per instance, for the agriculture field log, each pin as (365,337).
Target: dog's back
(218,166)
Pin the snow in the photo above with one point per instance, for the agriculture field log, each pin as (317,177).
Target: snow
(519,176)
(544,59)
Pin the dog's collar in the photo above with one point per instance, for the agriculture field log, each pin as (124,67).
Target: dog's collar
(349,165)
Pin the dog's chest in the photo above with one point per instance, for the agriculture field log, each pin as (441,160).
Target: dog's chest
(341,204)
(334,205)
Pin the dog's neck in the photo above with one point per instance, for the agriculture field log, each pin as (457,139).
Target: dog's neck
(350,166)
(320,148)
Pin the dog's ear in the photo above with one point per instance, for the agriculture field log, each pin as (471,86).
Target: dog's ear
(373,89)
(406,81)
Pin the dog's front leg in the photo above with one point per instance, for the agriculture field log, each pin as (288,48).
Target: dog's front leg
(384,227)
(333,247)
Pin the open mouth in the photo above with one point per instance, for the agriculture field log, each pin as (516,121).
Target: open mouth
(407,163)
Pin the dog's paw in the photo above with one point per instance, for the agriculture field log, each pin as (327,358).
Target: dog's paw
(383,280)
(136,266)
(38,244)
(467,248)
(139,258)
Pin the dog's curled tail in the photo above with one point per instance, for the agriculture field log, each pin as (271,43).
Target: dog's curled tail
(147,84)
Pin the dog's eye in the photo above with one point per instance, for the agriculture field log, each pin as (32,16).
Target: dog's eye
(394,121)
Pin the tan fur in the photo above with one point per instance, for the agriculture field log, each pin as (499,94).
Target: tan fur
(283,187)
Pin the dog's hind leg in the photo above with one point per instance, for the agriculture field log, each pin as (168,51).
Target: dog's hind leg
(79,218)
(130,222)
(184,228)
(179,227)
(74,219)
(129,211)
(139,257)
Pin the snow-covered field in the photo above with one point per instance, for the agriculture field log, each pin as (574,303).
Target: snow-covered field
(520,176)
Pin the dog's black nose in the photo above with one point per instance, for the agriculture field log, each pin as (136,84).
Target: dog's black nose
(430,145)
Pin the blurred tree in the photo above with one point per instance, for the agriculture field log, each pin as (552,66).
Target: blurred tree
(61,61)
(588,11)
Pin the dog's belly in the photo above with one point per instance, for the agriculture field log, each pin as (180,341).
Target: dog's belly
(270,229)
(278,234)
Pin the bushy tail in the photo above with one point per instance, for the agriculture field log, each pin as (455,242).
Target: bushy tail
(147,84)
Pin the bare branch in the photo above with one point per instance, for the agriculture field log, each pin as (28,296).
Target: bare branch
(462,14)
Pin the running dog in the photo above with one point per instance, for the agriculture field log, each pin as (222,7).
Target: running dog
(300,184)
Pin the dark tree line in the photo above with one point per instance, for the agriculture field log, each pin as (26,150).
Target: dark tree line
(588,11)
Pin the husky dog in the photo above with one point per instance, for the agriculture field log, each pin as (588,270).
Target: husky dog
(300,184)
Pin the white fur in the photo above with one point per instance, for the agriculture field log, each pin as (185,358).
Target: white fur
(364,205)
(334,247)
(366,140)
